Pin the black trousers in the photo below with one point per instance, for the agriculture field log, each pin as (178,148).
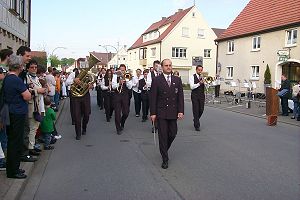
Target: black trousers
(82,111)
(137,102)
(108,103)
(198,108)
(72,108)
(167,131)
(145,105)
(121,109)
(99,97)
(284,105)
(217,90)
(15,134)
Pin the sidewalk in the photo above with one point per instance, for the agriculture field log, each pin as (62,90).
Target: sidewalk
(11,189)
(257,108)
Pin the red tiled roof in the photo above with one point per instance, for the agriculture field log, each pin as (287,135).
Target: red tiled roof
(103,58)
(263,15)
(218,31)
(173,20)
(39,54)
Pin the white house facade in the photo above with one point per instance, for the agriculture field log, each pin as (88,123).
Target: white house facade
(121,57)
(182,37)
(14,23)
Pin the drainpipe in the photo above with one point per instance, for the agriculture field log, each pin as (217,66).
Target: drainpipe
(29,22)
(217,56)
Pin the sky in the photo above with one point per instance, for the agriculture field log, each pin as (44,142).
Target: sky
(72,29)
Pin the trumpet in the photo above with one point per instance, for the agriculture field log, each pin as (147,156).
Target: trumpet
(123,76)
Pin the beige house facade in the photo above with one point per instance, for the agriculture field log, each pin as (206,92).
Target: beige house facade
(14,23)
(249,57)
(252,42)
(120,57)
(182,37)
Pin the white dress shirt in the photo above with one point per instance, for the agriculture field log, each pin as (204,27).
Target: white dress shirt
(192,82)
(70,79)
(166,77)
(149,78)
(135,83)
(115,83)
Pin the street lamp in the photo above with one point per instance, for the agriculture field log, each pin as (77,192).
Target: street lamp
(49,61)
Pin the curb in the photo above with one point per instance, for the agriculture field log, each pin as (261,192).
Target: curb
(252,115)
(17,187)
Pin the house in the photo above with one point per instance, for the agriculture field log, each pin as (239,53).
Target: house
(184,37)
(15,20)
(266,32)
(119,58)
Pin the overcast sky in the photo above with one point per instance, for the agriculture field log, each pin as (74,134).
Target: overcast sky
(80,26)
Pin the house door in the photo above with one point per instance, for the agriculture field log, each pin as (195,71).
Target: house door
(292,71)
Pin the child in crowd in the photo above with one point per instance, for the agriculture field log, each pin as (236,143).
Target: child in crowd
(47,125)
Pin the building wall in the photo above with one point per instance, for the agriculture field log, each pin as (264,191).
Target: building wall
(244,57)
(195,45)
(120,58)
(13,29)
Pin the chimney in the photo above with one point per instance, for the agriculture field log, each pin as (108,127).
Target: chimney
(163,18)
(179,10)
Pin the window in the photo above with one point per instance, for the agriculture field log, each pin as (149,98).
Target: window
(256,43)
(178,52)
(230,47)
(291,37)
(185,32)
(153,52)
(200,33)
(207,53)
(145,37)
(13,5)
(229,72)
(194,14)
(254,72)
(143,53)
(22,9)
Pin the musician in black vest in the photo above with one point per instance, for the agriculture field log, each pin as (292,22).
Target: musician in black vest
(166,106)
(108,93)
(197,96)
(100,96)
(81,106)
(144,88)
(121,98)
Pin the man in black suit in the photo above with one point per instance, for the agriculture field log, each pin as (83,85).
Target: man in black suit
(166,106)
(197,96)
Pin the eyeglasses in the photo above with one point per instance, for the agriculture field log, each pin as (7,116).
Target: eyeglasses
(32,67)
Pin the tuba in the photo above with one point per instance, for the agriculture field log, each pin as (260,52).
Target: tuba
(86,79)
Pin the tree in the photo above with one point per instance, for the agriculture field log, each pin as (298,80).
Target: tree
(67,61)
(267,75)
(54,61)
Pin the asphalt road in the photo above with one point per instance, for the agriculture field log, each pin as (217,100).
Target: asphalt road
(234,157)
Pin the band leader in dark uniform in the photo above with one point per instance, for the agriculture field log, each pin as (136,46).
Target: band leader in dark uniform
(166,105)
(145,89)
(197,96)
(81,107)
(121,98)
(108,93)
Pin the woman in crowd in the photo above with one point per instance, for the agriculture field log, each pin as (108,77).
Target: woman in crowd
(16,96)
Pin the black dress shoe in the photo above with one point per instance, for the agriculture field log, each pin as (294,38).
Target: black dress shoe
(144,120)
(83,132)
(197,129)
(164,165)
(33,153)
(119,132)
(78,137)
(108,120)
(28,159)
(122,127)
(18,176)
(298,119)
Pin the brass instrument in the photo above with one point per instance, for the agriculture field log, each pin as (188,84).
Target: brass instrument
(208,79)
(123,76)
(86,79)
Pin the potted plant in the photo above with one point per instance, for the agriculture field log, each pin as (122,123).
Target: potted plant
(267,78)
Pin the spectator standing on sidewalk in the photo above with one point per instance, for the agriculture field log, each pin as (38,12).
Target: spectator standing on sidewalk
(296,99)
(16,96)
(47,125)
(284,92)
(51,83)
(56,75)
